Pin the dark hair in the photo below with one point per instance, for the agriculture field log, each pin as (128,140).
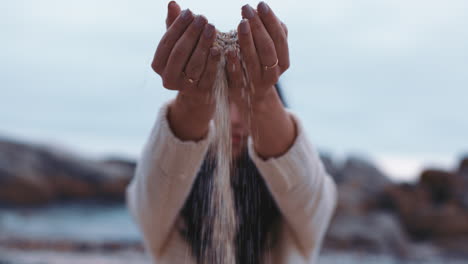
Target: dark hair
(256,210)
(257,213)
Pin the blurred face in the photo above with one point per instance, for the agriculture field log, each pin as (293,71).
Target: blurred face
(239,130)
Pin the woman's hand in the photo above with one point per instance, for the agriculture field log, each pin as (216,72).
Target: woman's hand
(185,58)
(187,62)
(264,50)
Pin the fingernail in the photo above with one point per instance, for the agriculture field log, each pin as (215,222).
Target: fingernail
(199,21)
(244,26)
(263,8)
(209,30)
(214,51)
(248,11)
(186,14)
(171,3)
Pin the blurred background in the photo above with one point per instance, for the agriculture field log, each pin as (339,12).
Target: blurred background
(381,87)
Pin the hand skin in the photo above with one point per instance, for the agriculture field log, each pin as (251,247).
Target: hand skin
(186,48)
(271,127)
(262,40)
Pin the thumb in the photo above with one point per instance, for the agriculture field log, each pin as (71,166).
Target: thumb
(173,11)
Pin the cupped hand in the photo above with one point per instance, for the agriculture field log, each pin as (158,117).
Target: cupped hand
(185,58)
(264,50)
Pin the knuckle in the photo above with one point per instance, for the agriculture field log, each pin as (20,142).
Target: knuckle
(194,68)
(193,73)
(166,84)
(178,52)
(156,67)
(274,78)
(283,41)
(280,37)
(166,42)
(271,45)
(256,25)
(192,32)
(285,28)
(175,25)
(285,66)
(168,81)
(268,48)
(204,45)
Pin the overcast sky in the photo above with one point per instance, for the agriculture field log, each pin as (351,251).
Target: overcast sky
(383,77)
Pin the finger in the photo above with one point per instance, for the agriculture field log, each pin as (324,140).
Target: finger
(277,33)
(183,49)
(235,71)
(211,70)
(285,28)
(169,39)
(248,52)
(173,11)
(263,42)
(196,64)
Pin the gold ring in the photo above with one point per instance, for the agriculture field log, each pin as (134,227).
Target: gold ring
(272,66)
(190,80)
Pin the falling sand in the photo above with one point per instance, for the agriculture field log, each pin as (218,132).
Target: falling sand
(224,220)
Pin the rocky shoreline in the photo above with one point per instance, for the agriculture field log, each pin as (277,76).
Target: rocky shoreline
(36,175)
(423,220)
(407,220)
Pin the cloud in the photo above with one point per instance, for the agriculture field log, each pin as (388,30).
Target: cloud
(354,64)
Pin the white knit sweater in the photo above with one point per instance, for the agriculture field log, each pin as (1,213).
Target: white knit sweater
(303,191)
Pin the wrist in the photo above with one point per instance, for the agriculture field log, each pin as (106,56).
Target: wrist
(190,117)
(194,104)
(265,101)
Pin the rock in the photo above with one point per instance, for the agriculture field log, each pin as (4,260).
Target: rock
(119,164)
(122,171)
(364,173)
(453,247)
(360,185)
(330,166)
(376,215)
(357,224)
(442,185)
(32,174)
(410,202)
(463,168)
(376,232)
(463,172)
(432,208)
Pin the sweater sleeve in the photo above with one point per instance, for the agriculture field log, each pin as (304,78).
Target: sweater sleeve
(163,178)
(305,194)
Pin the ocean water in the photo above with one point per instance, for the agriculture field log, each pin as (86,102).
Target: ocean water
(385,80)
(83,222)
(11,256)
(112,223)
